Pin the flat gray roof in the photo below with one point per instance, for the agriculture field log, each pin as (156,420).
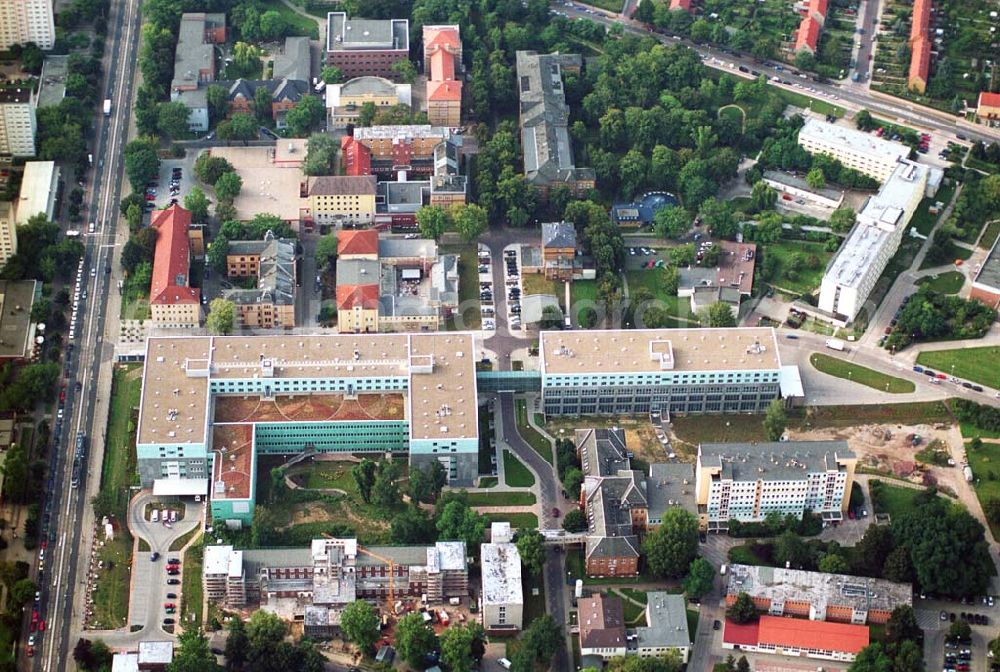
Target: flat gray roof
(776,461)
(16,331)
(989,273)
(666,622)
(344,34)
(670,484)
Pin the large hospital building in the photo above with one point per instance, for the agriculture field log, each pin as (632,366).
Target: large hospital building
(211,404)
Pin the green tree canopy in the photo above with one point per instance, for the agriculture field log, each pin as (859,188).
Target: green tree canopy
(221,317)
(359,623)
(414,639)
(699,579)
(531,546)
(775,420)
(433,221)
(673,545)
(742,610)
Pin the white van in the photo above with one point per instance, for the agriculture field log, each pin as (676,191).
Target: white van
(155,517)
(504,663)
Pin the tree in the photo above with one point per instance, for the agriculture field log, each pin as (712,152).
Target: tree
(831,563)
(237,644)
(717,314)
(457,521)
(404,71)
(142,165)
(412,526)
(134,217)
(457,647)
(742,610)
(960,630)
(218,249)
(842,219)
(574,521)
(228,186)
(863,120)
(216,98)
(700,577)
(815,178)
(192,653)
(262,105)
(902,625)
(172,119)
(426,482)
(326,252)
(871,551)
(320,155)
(531,545)
(221,317)
(791,549)
(414,639)
(775,420)
(197,203)
(762,196)
(359,623)
(433,221)
(364,473)
(571,482)
(385,491)
(305,116)
(898,566)
(470,220)
(671,547)
(241,126)
(331,74)
(539,640)
(272,25)
(672,222)
(21,593)
(209,169)
(367,113)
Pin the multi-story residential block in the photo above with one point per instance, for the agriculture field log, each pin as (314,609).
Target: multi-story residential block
(544,122)
(817,596)
(502,594)
(173,302)
(813,18)
(442,60)
(23,21)
(8,232)
(272,262)
(855,149)
(17,121)
(345,101)
(858,264)
(659,371)
(558,250)
(332,573)
(361,47)
(988,105)
(746,482)
(798,638)
(39,186)
(355,158)
(397,148)
(340,200)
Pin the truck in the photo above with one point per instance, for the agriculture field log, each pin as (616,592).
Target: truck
(836,344)
(107,107)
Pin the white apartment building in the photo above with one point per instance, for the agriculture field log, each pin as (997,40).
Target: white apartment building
(746,482)
(8,232)
(17,120)
(503,596)
(861,151)
(24,21)
(857,266)
(39,186)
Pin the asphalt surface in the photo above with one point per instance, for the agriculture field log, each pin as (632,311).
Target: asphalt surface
(62,601)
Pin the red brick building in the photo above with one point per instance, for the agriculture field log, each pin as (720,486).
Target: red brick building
(361,47)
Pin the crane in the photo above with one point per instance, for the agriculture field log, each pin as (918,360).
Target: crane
(392,571)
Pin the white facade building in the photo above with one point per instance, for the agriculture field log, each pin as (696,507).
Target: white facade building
(746,482)
(23,21)
(17,120)
(859,263)
(861,151)
(38,190)
(8,232)
(503,596)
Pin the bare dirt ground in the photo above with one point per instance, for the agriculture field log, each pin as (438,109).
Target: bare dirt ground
(640,435)
(887,449)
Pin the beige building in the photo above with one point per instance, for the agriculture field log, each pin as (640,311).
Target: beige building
(17,119)
(24,21)
(272,261)
(344,101)
(864,152)
(8,232)
(38,191)
(746,482)
(340,200)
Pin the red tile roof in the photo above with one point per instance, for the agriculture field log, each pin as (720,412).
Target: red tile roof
(363,242)
(803,634)
(818,7)
(442,46)
(357,158)
(172,258)
(921,18)
(741,635)
(681,4)
(439,38)
(442,66)
(920,63)
(989,99)
(807,36)
(444,90)
(355,296)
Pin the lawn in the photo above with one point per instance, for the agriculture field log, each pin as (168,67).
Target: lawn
(734,112)
(516,520)
(583,290)
(134,301)
(486,451)
(979,365)
(467,316)
(834,366)
(985,464)
(695,429)
(892,499)
(180,541)
(910,413)
(949,282)
(612,6)
(517,475)
(744,554)
(534,605)
(111,596)
(814,257)
(299,25)
(499,498)
(536,283)
(805,102)
(488,481)
(970,431)
(634,612)
(950,253)
(923,221)
(989,236)
(191,589)
(677,308)
(538,443)
(637,595)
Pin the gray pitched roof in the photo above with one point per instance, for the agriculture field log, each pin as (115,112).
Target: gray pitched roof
(558,234)
(294,60)
(276,281)
(358,272)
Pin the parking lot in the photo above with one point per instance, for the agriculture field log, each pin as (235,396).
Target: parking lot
(512,285)
(935,618)
(486,299)
(163,191)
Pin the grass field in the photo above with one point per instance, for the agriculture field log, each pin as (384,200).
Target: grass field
(677,308)
(111,596)
(949,282)
(191,589)
(517,475)
(805,102)
(808,278)
(468,287)
(834,366)
(517,520)
(180,541)
(970,431)
(488,481)
(979,365)
(536,283)
(892,499)
(922,220)
(135,301)
(583,290)
(499,498)
(989,236)
(538,443)
(300,25)
(695,429)
(985,464)
(910,413)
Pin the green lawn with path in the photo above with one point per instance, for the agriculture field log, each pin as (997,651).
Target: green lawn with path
(949,282)
(985,464)
(892,499)
(806,102)
(111,596)
(191,589)
(299,25)
(923,221)
(516,474)
(517,520)
(468,286)
(499,498)
(679,309)
(834,366)
(538,443)
(808,278)
(979,365)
